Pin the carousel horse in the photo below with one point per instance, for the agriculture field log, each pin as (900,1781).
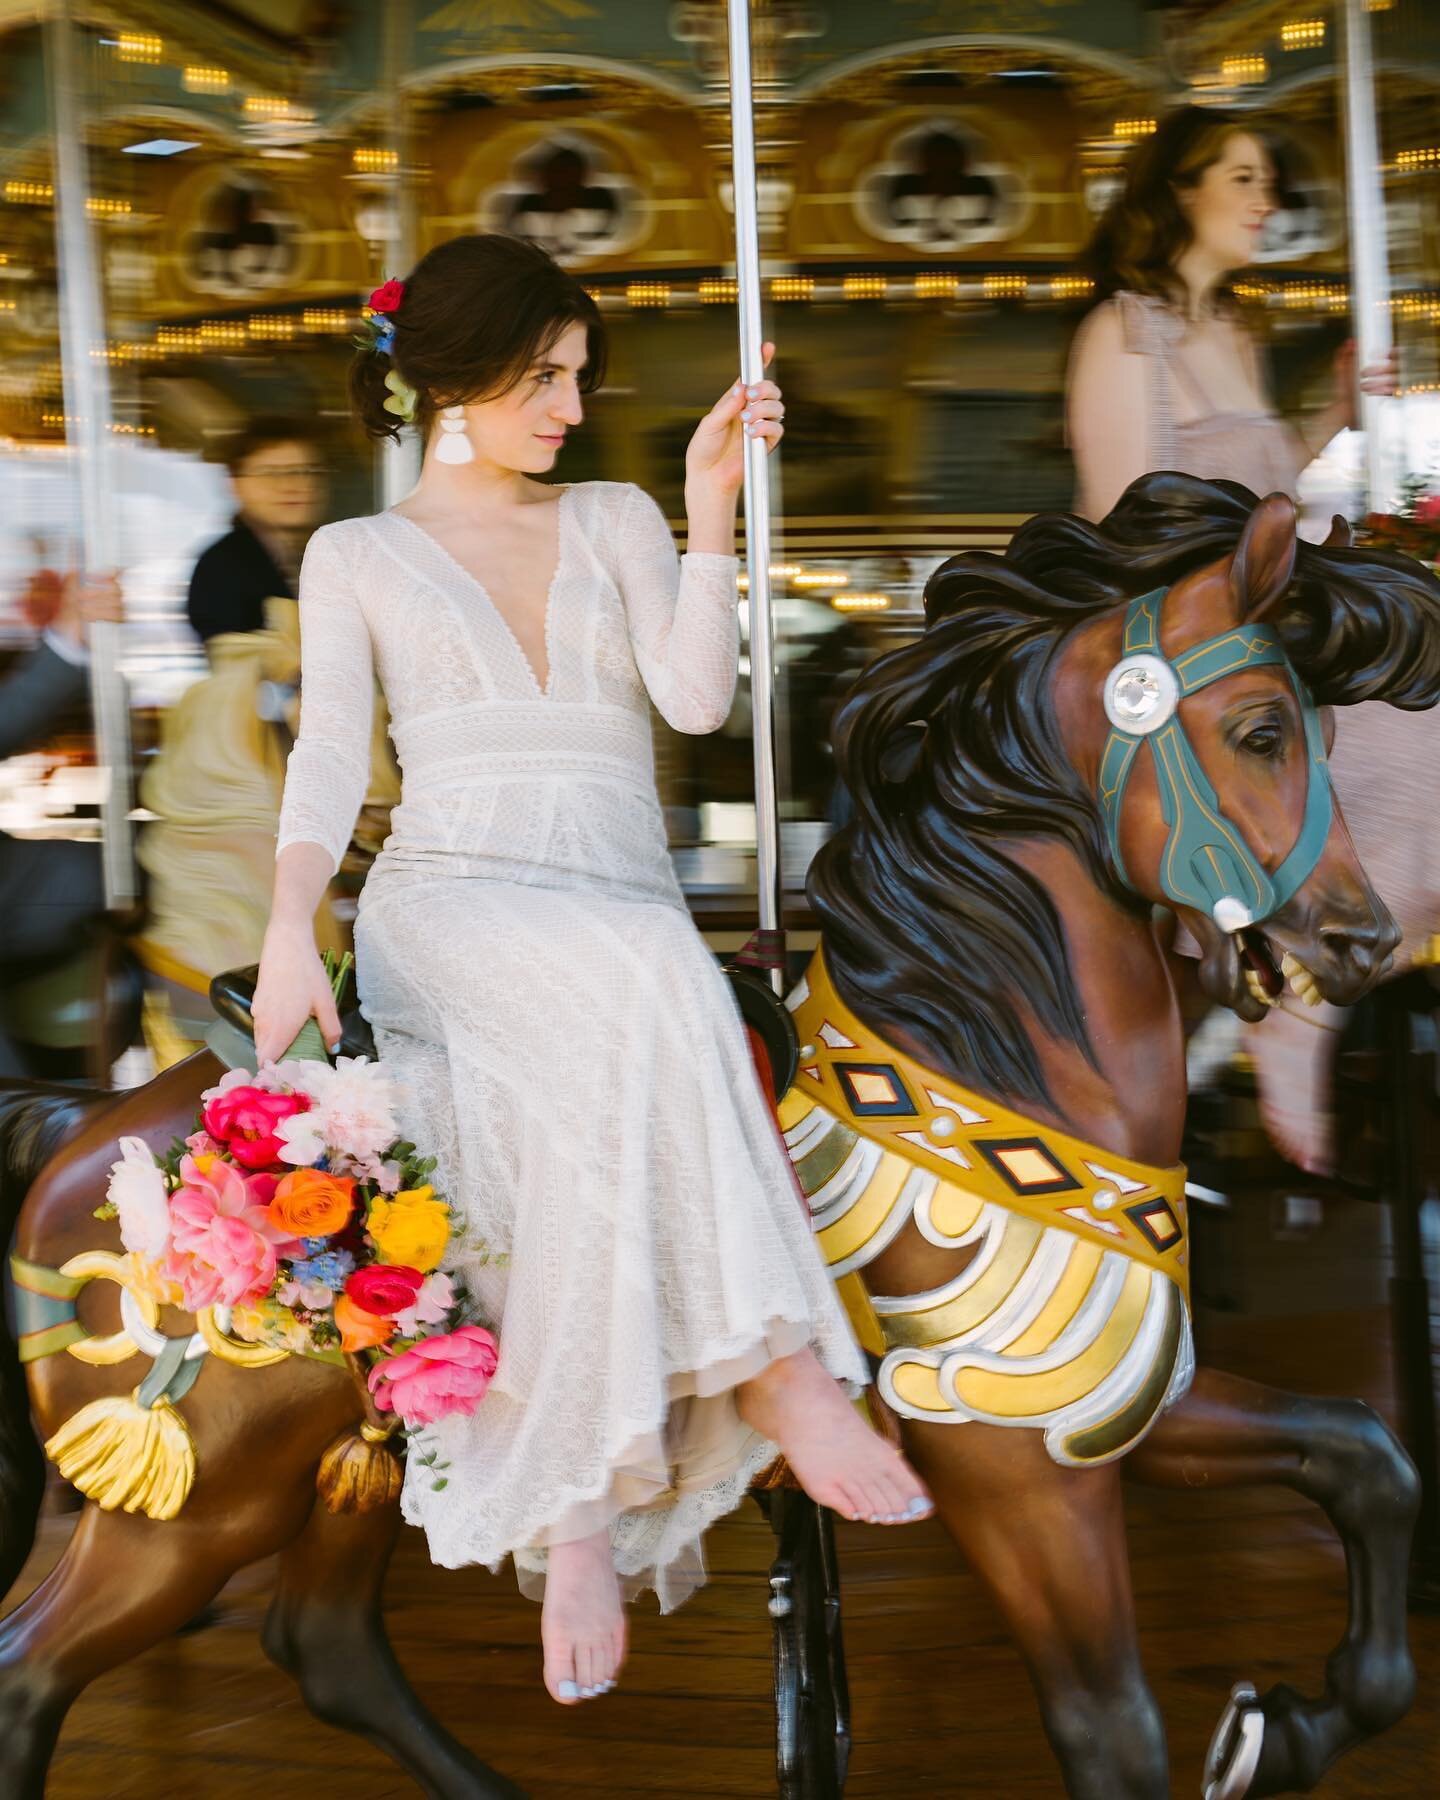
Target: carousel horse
(988,1108)
(985,1115)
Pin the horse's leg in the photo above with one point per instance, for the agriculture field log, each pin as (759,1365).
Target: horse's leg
(1233,1433)
(326,1628)
(1049,1544)
(123,1584)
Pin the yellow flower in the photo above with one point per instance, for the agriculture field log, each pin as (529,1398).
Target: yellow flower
(412,1228)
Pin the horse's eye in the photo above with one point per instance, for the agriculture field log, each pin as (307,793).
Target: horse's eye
(1264,740)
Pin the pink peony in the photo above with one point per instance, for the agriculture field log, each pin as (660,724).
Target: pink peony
(244,1121)
(223,1247)
(436,1377)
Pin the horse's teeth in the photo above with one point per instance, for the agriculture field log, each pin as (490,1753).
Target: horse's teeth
(1290,965)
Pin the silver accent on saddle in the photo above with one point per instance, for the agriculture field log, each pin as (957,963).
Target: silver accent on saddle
(1141,694)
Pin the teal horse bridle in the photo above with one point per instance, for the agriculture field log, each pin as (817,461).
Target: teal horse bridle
(1206,863)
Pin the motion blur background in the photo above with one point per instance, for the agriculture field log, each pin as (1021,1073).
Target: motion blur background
(223,184)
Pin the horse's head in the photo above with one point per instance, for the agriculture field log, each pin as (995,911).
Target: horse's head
(991,732)
(1207,755)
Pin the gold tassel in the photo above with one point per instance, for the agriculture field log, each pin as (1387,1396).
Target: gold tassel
(121,1454)
(360,1472)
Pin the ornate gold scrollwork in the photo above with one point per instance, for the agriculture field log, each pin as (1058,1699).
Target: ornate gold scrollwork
(234,1350)
(116,1346)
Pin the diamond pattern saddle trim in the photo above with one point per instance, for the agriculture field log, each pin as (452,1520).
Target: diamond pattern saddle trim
(979,1151)
(1071,1317)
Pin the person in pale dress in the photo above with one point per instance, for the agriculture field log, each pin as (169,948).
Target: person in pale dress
(1165,374)
(566,1044)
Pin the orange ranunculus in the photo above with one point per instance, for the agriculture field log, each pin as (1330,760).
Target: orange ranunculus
(312,1202)
(360,1330)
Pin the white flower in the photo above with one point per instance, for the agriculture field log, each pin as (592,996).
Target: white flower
(432,1305)
(232,1078)
(352,1115)
(137,1192)
(302,1137)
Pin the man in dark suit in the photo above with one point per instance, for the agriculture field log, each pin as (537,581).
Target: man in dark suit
(279,483)
(50,888)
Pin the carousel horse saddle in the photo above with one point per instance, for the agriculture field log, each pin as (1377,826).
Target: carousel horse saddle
(765,1016)
(232,992)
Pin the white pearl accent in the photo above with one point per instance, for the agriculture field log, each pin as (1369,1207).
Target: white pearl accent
(1104,1199)
(943,1127)
(1231,914)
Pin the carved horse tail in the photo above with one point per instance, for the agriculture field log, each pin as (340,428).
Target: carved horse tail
(35,1120)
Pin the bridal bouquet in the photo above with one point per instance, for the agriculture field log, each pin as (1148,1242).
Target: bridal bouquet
(296,1204)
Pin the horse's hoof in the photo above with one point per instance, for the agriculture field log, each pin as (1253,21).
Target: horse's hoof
(1234,1753)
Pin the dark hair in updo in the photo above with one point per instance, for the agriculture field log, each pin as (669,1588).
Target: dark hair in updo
(478,312)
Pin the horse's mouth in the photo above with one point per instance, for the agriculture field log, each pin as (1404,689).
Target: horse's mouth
(1266,978)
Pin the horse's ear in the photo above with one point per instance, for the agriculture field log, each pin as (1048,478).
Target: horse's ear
(1264,559)
(1340,536)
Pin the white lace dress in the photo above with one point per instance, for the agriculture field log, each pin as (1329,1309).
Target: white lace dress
(568,1047)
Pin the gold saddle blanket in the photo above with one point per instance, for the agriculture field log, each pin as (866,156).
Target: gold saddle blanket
(1072,1317)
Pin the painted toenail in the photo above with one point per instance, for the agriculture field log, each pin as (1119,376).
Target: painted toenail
(569,1690)
(918,1505)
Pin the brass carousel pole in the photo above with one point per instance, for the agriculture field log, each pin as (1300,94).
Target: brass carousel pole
(86,379)
(400,462)
(757,482)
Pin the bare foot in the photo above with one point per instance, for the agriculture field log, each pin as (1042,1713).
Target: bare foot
(838,1460)
(582,1624)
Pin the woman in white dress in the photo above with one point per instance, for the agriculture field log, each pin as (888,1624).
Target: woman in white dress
(568,1047)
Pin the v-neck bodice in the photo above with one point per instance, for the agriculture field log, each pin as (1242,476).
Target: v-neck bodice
(482,589)
(502,777)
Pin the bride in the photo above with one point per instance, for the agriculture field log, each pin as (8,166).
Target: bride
(566,1043)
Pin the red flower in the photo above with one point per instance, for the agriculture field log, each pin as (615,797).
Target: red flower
(243,1120)
(387,299)
(1427,511)
(384,1289)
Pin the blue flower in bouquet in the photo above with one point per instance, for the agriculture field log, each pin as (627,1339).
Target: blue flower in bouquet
(328,1269)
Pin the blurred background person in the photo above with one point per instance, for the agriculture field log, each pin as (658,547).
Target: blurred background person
(280,482)
(1165,373)
(216,780)
(52,890)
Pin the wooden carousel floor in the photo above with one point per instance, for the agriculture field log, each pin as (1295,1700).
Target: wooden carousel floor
(1228,1586)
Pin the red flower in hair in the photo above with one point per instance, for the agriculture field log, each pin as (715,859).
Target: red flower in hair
(387,299)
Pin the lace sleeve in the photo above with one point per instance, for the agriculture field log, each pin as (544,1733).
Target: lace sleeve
(329,767)
(683,618)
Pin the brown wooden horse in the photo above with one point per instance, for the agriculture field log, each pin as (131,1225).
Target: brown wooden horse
(976,925)
(991,1095)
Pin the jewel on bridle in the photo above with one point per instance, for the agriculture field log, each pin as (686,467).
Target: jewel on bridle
(1206,863)
(1141,694)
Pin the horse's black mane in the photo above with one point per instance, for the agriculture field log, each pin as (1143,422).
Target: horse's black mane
(949,746)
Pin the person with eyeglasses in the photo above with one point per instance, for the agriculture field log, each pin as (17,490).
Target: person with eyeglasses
(215,782)
(280,483)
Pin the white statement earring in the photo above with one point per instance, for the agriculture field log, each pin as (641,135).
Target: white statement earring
(454,445)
